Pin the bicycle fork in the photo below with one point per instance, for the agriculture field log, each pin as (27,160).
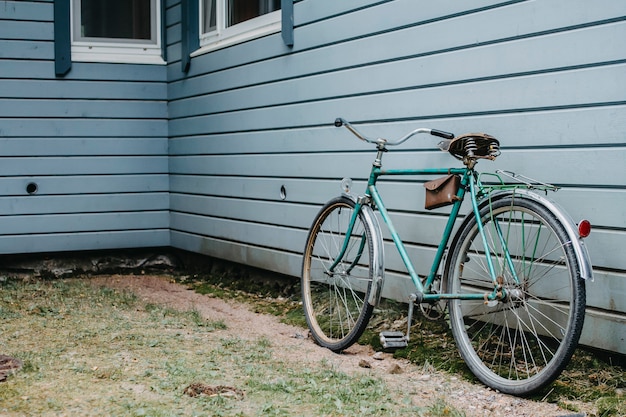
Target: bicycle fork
(378,255)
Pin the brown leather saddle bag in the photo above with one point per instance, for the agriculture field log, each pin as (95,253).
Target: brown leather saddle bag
(442,191)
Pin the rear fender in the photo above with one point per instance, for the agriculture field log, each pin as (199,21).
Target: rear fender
(580,249)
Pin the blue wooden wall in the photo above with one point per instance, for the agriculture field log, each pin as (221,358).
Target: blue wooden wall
(94,142)
(546,77)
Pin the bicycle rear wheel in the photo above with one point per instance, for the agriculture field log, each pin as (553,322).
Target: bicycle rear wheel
(335,301)
(521,344)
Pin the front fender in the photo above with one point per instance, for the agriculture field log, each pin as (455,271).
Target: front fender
(378,256)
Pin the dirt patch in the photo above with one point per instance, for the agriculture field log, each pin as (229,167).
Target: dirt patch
(421,383)
(8,365)
(199,388)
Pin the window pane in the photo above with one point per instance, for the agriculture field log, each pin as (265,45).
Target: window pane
(242,10)
(117,19)
(209,16)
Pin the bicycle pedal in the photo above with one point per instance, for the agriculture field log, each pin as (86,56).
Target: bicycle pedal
(393,340)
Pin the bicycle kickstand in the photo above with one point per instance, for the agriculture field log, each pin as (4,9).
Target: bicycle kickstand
(393,340)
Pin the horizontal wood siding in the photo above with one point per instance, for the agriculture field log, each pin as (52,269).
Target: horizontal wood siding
(548,78)
(93,142)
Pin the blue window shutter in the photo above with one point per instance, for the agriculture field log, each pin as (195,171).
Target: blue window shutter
(163,32)
(287,21)
(190,37)
(62,40)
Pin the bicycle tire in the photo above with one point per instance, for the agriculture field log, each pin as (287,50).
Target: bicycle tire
(520,345)
(335,303)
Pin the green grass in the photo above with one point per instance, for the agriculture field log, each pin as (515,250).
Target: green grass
(589,379)
(89,350)
(86,349)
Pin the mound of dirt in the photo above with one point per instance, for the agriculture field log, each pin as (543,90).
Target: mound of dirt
(8,366)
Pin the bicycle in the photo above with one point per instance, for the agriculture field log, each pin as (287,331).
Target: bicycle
(512,285)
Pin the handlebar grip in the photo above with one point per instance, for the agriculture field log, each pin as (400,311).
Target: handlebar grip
(440,133)
(338,122)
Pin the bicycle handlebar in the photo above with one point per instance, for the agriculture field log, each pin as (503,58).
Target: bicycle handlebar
(339,122)
(442,134)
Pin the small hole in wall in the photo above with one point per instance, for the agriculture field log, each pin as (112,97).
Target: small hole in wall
(31,188)
(283,192)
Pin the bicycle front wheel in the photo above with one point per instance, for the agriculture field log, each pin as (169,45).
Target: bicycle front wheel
(522,343)
(337,276)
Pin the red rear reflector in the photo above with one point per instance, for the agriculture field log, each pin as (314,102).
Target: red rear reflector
(584,228)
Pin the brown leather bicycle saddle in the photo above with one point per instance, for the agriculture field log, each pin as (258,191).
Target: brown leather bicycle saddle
(472,145)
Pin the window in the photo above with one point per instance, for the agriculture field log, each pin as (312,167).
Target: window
(224,22)
(116,31)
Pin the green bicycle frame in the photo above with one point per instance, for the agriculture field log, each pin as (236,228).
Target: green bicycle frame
(468,181)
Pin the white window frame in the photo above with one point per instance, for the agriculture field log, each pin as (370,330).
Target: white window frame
(128,51)
(222,37)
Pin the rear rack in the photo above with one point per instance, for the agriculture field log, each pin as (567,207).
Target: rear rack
(507,180)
